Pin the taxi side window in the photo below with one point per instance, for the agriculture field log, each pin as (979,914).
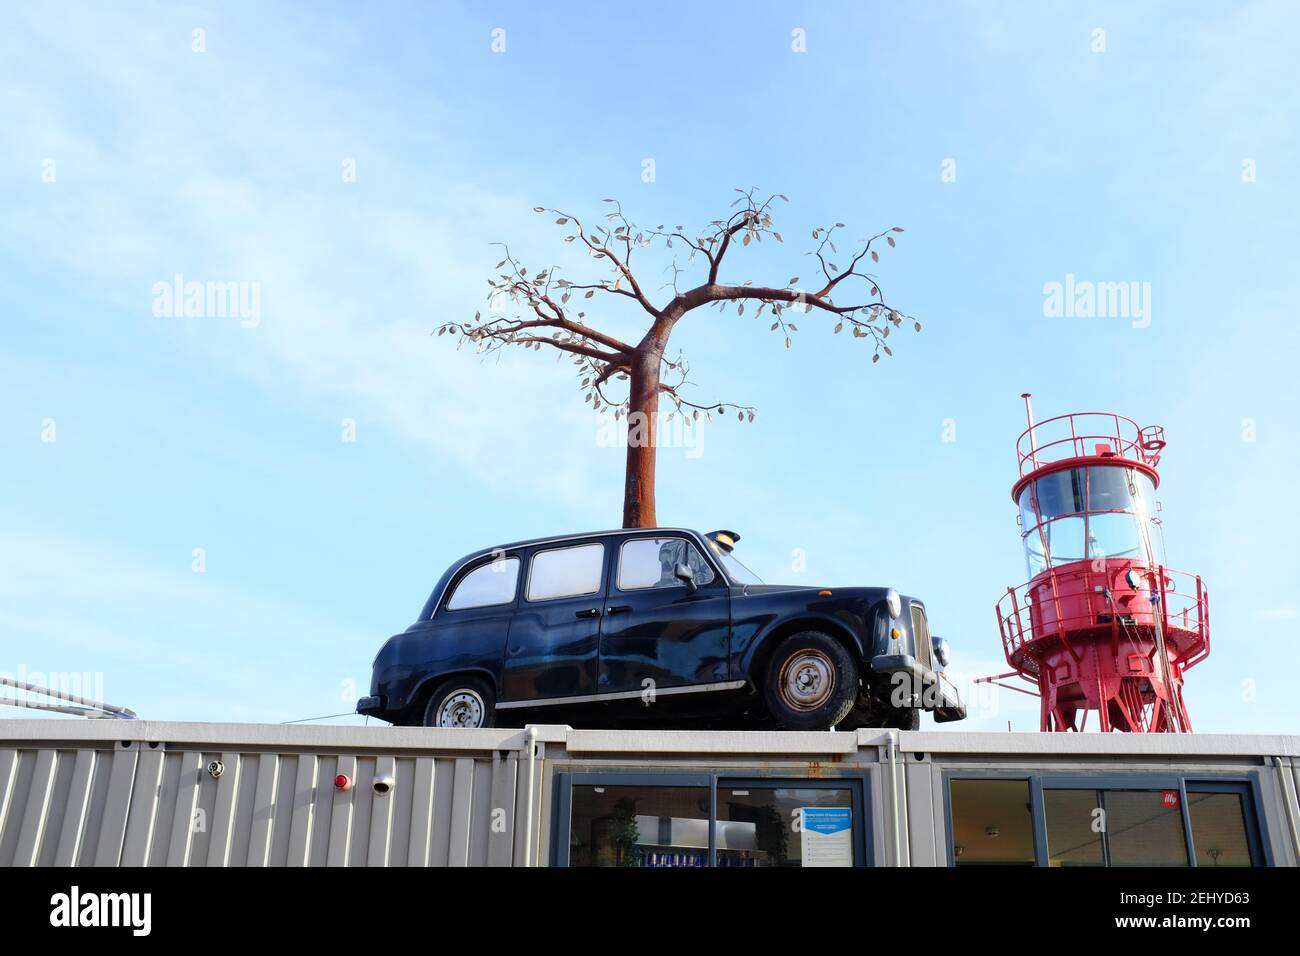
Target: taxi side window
(649,563)
(488,584)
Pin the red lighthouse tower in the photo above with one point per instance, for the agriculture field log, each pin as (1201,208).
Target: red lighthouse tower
(1102,625)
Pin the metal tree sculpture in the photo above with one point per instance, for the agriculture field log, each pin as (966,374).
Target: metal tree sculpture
(549,319)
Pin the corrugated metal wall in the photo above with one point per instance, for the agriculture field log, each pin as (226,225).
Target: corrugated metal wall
(137,803)
(77,793)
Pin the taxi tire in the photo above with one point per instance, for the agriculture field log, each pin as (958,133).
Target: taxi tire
(457,685)
(844,693)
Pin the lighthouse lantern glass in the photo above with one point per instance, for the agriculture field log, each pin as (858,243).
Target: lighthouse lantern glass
(1115,535)
(1034,555)
(1064,539)
(1085,513)
(1111,489)
(1157,535)
(1061,493)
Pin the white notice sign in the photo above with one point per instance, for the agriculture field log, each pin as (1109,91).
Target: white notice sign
(827,836)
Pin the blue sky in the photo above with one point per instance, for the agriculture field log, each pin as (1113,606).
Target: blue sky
(1170,158)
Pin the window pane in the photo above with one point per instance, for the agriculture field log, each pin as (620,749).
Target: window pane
(1219,829)
(1064,540)
(1108,489)
(1144,828)
(492,583)
(1028,520)
(1115,535)
(739,573)
(767,827)
(1073,828)
(992,822)
(649,563)
(639,826)
(1155,530)
(566,572)
(1060,493)
(1034,557)
(1146,493)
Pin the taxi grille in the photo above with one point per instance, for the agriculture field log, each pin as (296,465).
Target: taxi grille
(921,634)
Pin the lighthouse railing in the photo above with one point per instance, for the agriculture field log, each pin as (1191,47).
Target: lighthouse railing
(1064,601)
(1077,435)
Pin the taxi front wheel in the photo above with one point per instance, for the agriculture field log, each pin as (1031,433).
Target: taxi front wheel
(811,682)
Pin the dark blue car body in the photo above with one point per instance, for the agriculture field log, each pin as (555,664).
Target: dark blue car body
(700,649)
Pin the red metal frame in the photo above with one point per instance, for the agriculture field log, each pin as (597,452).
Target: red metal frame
(1126,439)
(1079,633)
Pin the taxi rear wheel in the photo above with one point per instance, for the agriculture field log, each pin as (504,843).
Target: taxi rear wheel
(811,682)
(464,702)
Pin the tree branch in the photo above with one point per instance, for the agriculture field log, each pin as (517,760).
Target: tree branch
(602,248)
(600,356)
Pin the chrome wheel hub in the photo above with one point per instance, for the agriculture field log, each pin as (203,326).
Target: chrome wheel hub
(461,709)
(807,680)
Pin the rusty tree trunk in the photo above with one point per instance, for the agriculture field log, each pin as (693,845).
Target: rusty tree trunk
(642,422)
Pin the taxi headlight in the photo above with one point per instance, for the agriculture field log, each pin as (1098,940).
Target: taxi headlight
(941,652)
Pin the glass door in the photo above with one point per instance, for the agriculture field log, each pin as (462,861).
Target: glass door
(790,823)
(661,821)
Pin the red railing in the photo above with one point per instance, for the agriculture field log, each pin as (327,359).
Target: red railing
(1079,434)
(1079,597)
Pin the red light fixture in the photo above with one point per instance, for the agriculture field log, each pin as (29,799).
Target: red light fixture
(343,783)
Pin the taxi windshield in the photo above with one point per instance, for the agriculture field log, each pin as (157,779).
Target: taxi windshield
(738,573)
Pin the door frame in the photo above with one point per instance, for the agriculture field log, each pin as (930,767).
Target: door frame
(525,605)
(858,785)
(614,594)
